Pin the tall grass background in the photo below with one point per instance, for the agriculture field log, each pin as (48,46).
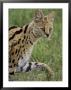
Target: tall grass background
(45,51)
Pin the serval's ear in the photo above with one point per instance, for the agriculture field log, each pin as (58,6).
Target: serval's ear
(51,16)
(38,15)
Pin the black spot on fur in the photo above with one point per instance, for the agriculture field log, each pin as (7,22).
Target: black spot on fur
(22,40)
(18,58)
(21,57)
(29,67)
(15,44)
(16,51)
(24,50)
(36,63)
(19,50)
(24,36)
(25,29)
(17,54)
(12,53)
(26,42)
(13,60)
(19,41)
(9,59)
(23,46)
(10,66)
(17,32)
(12,27)
(11,73)
(14,65)
(31,42)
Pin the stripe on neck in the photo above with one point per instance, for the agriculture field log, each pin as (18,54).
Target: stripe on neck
(25,30)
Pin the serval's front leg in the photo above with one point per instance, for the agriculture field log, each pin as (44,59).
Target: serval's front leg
(38,65)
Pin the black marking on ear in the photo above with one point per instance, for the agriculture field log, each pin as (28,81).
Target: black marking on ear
(17,32)
(25,29)
(10,28)
(29,67)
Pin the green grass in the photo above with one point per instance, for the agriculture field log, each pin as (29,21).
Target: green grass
(46,51)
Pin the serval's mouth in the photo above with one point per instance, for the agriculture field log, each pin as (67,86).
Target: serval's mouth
(47,35)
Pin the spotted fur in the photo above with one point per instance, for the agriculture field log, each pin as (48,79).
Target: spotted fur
(22,40)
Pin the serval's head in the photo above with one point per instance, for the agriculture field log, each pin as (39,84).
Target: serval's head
(43,25)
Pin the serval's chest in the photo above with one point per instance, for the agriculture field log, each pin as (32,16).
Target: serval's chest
(20,46)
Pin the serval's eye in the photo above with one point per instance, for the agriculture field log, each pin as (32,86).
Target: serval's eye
(43,29)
